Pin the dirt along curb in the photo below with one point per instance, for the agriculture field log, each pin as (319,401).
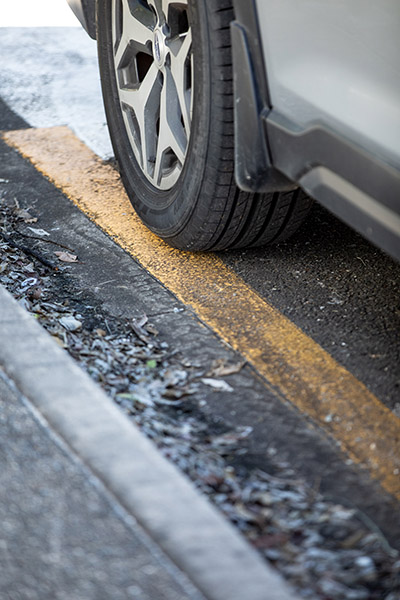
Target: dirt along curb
(187,528)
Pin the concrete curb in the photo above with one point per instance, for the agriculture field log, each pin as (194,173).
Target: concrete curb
(183,523)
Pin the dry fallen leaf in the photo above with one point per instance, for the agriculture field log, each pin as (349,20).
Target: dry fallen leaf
(70,323)
(220,368)
(36,293)
(151,329)
(40,232)
(232,437)
(100,332)
(217,384)
(138,327)
(26,216)
(67,257)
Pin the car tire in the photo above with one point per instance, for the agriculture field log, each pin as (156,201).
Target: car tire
(166,72)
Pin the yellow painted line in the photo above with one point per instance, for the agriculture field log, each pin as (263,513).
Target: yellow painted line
(293,363)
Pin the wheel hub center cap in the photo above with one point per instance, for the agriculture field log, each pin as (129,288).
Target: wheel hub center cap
(159,48)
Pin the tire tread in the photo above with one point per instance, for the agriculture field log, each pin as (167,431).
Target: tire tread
(238,218)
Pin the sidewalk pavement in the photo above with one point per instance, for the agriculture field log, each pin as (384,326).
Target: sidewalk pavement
(89,509)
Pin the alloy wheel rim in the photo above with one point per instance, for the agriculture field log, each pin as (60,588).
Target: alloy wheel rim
(152,50)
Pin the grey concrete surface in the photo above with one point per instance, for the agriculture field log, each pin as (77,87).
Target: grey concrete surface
(61,536)
(206,549)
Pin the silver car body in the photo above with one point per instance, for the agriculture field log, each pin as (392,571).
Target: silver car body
(336,63)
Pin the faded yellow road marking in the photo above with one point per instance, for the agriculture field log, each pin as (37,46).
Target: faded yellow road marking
(293,363)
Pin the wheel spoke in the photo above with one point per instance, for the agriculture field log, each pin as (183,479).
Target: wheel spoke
(180,55)
(138,24)
(171,135)
(165,6)
(171,131)
(145,103)
(138,98)
(161,9)
(136,27)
